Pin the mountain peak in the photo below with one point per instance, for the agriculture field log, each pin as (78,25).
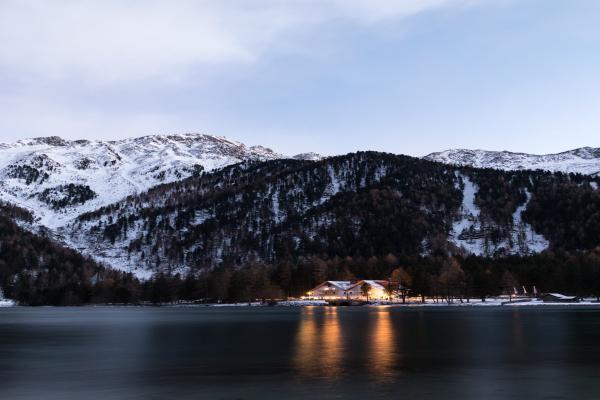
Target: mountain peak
(310,156)
(57,178)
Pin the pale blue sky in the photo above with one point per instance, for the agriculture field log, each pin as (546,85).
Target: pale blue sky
(331,76)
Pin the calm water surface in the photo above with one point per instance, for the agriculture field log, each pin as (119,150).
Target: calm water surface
(299,353)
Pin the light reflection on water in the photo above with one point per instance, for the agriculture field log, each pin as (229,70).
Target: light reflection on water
(332,344)
(382,349)
(322,352)
(320,345)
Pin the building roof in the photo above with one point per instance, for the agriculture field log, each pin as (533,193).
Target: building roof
(343,285)
(374,284)
(560,296)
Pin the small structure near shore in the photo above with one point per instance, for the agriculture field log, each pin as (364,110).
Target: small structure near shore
(559,298)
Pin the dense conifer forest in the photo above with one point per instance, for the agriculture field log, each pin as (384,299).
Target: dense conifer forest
(36,270)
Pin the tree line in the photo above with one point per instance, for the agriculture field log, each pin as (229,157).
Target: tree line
(447,279)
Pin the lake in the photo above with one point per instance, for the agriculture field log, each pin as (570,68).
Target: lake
(300,353)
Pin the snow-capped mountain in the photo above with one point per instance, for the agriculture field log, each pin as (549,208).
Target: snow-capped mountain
(59,179)
(585,160)
(105,199)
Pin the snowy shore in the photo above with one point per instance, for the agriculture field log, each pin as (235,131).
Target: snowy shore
(496,302)
(6,303)
(490,302)
(476,303)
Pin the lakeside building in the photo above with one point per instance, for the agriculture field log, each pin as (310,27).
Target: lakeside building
(351,290)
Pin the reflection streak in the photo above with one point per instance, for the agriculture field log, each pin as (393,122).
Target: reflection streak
(319,346)
(382,347)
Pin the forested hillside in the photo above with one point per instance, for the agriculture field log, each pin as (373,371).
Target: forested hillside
(358,205)
(36,270)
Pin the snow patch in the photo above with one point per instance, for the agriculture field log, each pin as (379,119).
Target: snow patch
(277,217)
(523,237)
(5,302)
(469,232)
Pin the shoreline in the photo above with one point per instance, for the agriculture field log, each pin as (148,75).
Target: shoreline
(298,304)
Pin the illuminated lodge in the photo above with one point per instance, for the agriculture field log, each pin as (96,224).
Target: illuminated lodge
(351,290)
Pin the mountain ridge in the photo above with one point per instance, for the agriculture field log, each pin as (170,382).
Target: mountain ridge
(175,202)
(59,179)
(584,160)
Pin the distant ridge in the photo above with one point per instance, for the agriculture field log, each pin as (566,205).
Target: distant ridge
(584,160)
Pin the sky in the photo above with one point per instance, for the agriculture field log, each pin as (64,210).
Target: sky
(329,76)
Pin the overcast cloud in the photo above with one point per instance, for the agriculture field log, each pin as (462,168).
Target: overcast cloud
(407,76)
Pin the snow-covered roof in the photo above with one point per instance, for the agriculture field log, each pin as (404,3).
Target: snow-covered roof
(374,284)
(561,296)
(341,284)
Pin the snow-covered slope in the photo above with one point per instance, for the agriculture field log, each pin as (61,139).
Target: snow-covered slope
(472,232)
(585,160)
(59,179)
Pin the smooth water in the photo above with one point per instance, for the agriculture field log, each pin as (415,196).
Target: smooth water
(299,353)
